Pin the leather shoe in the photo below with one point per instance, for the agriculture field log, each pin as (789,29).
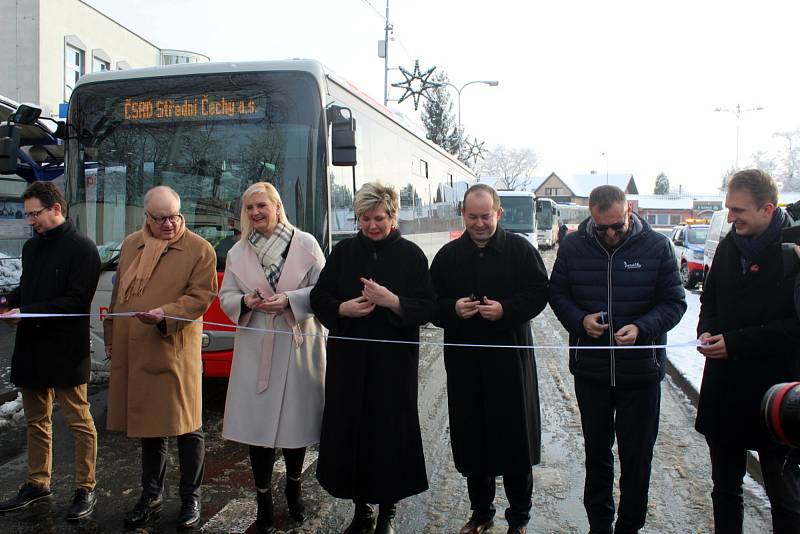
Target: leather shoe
(28,493)
(189,515)
(144,510)
(517,529)
(82,504)
(363,520)
(476,525)
(385,523)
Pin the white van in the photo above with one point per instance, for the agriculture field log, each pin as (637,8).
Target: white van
(717,231)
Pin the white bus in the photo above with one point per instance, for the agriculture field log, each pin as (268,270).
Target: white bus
(572,215)
(547,222)
(519,213)
(209,130)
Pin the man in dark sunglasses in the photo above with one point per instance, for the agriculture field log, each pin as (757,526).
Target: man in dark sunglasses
(615,282)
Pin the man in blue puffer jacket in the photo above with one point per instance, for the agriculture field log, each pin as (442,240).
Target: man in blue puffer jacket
(615,283)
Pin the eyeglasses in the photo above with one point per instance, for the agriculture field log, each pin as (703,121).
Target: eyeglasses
(35,214)
(617,227)
(161,221)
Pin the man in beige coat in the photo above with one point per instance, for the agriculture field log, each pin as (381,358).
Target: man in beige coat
(165,271)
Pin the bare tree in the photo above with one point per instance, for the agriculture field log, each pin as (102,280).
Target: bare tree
(513,167)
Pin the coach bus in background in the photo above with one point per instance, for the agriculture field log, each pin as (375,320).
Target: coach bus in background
(547,222)
(519,213)
(209,130)
(572,215)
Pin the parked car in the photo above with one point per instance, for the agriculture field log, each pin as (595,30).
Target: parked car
(689,241)
(717,230)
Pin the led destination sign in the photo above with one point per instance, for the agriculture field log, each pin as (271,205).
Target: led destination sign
(214,107)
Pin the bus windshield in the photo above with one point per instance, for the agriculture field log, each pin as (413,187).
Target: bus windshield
(544,215)
(517,214)
(207,136)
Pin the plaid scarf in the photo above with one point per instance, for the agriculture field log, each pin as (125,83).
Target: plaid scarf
(270,251)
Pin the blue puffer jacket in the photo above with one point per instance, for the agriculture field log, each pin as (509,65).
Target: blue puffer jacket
(637,283)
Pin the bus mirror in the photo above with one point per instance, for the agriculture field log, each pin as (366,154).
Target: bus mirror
(25,114)
(9,144)
(343,136)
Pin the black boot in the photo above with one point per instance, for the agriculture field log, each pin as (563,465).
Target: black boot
(385,523)
(363,520)
(264,516)
(294,500)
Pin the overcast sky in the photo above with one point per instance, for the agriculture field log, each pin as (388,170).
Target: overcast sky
(638,80)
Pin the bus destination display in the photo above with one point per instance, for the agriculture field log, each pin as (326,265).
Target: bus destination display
(205,106)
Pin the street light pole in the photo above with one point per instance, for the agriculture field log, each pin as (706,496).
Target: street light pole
(490,83)
(387,29)
(606,155)
(737,111)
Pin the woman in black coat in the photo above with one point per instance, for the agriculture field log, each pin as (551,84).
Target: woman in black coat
(374,286)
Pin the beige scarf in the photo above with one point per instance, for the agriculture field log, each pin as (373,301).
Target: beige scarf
(135,278)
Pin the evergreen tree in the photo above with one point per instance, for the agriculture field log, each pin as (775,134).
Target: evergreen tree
(662,185)
(437,116)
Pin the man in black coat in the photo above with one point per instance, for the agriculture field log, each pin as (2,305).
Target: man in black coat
(490,283)
(60,270)
(750,336)
(615,283)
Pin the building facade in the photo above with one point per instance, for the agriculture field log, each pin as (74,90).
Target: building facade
(46,45)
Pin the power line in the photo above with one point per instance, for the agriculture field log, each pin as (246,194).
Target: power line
(375,9)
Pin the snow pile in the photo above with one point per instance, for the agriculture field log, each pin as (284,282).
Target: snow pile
(11,413)
(10,272)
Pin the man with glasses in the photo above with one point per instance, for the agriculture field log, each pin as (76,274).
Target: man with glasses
(60,270)
(166,273)
(615,283)
(748,333)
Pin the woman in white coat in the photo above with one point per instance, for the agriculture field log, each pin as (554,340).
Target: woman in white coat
(276,391)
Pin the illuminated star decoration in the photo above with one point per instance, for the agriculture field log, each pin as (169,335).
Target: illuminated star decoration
(474,150)
(416,83)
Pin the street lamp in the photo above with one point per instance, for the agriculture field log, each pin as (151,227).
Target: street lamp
(606,155)
(491,83)
(737,111)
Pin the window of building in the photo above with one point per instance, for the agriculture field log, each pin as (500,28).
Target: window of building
(675,219)
(662,219)
(423,168)
(651,218)
(74,68)
(551,191)
(98,65)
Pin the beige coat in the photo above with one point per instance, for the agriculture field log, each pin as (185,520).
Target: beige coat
(155,386)
(288,413)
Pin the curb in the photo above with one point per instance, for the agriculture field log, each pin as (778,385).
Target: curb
(753,467)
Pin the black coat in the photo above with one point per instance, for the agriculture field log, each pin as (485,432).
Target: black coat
(371,447)
(755,313)
(493,394)
(637,283)
(60,270)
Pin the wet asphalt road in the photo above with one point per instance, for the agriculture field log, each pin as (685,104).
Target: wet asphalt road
(679,496)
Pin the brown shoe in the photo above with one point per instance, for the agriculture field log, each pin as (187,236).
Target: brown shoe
(517,529)
(476,525)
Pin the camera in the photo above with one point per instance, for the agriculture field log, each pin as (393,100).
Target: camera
(780,409)
(790,236)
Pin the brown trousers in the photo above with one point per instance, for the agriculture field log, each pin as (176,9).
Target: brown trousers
(38,405)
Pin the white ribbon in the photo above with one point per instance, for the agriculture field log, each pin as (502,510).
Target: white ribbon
(692,343)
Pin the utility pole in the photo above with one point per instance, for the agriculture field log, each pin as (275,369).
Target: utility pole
(386,30)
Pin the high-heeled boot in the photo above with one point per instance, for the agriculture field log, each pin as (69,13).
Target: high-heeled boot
(264,515)
(294,500)
(385,523)
(363,520)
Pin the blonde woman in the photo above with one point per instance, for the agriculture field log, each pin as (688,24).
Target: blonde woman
(374,285)
(275,391)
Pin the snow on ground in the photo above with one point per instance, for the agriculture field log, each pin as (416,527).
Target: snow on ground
(687,360)
(10,271)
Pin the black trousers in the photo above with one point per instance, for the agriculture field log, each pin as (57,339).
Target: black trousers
(519,490)
(191,456)
(632,415)
(262,461)
(779,467)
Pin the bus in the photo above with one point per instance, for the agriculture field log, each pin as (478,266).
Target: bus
(209,130)
(572,215)
(547,222)
(519,213)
